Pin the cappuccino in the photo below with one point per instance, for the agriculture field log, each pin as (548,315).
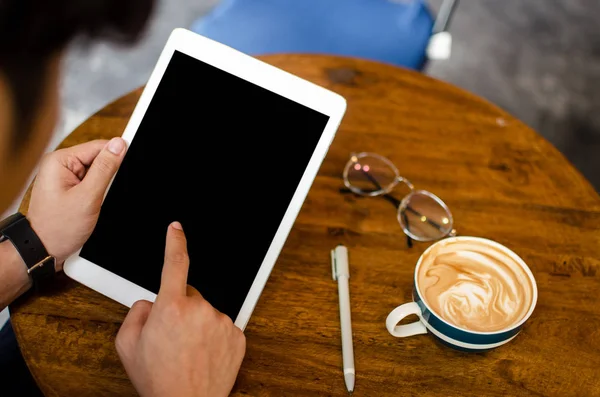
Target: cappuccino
(474,285)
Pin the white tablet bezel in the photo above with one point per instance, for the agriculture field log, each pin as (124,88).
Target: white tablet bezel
(261,74)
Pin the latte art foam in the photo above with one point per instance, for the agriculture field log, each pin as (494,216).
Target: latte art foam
(474,285)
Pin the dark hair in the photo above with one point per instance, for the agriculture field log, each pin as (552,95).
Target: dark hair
(34,31)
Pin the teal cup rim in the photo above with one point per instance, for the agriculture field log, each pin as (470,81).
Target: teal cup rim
(504,249)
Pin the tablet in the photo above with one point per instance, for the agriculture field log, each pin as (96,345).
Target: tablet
(225,144)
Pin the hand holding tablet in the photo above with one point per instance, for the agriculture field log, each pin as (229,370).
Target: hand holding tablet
(158,343)
(68,190)
(227,145)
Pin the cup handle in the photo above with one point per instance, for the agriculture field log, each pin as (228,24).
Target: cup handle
(402,331)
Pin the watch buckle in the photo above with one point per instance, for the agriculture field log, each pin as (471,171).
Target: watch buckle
(39,264)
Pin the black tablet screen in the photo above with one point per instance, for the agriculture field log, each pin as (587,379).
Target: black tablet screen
(222,156)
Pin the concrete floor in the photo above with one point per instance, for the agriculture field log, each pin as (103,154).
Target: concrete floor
(538,59)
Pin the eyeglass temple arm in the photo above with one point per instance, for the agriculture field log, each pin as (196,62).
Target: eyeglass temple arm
(432,223)
(374,181)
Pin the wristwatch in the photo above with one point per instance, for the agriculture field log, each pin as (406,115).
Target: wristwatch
(40,264)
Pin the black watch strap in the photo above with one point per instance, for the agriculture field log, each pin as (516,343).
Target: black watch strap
(17,229)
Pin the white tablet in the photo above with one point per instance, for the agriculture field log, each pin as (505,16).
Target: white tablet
(227,145)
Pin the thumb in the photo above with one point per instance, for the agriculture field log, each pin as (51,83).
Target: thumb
(132,326)
(104,167)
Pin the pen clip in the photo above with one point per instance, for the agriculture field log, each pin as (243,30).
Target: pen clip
(333,265)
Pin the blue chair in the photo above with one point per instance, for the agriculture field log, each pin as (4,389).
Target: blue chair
(391,31)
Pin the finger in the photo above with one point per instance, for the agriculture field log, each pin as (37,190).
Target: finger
(75,158)
(104,167)
(177,262)
(191,291)
(129,333)
(86,152)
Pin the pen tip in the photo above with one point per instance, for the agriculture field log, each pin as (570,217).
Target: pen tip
(350,392)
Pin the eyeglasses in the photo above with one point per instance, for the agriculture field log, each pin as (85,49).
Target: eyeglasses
(422,215)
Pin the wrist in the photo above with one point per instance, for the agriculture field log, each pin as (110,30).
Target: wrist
(39,264)
(13,273)
(50,248)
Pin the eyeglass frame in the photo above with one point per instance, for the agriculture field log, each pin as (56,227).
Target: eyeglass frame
(399,204)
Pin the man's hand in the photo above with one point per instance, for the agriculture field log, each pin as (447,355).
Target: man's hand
(180,346)
(68,191)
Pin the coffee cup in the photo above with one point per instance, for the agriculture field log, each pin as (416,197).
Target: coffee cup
(470,293)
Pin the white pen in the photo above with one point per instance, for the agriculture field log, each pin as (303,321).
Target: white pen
(339,267)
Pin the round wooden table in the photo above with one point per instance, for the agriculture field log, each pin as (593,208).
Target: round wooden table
(501,180)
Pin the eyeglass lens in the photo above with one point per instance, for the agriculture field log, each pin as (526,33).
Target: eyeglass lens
(370,175)
(424,217)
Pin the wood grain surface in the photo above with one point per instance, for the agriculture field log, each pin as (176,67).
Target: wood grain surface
(501,180)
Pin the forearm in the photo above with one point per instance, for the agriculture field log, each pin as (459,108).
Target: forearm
(14,279)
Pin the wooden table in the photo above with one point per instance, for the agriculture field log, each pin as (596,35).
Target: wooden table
(501,180)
